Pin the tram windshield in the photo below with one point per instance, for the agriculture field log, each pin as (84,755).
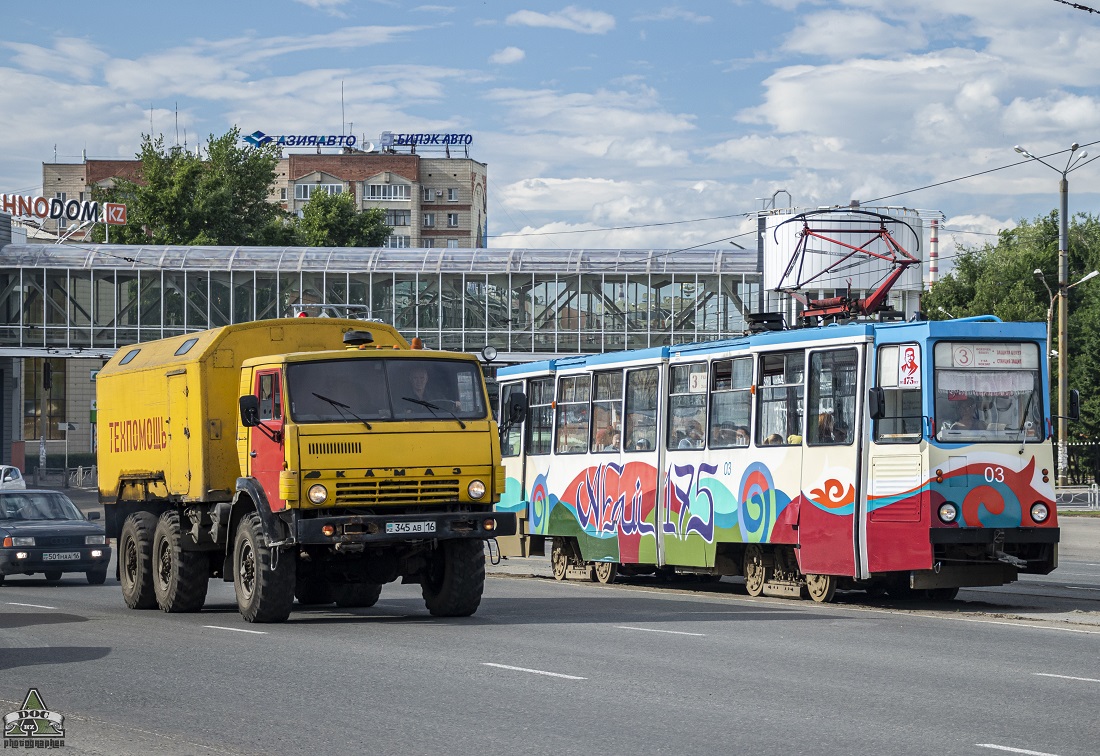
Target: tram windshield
(988,392)
(331,391)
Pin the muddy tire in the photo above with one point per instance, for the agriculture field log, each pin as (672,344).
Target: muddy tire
(455,579)
(263,594)
(97,577)
(135,560)
(605,572)
(313,592)
(821,588)
(356,595)
(180,578)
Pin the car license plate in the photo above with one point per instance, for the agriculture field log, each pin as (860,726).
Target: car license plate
(60,556)
(410,527)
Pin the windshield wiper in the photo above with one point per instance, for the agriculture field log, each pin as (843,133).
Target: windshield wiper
(434,407)
(1024,421)
(341,407)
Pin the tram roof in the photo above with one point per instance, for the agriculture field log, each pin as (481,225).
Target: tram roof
(985,327)
(369,259)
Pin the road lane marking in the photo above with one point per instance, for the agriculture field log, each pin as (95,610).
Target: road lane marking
(1080,588)
(996,747)
(533,671)
(1066,677)
(651,630)
(236,629)
(32,606)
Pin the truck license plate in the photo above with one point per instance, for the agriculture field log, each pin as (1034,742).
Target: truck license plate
(410,527)
(60,556)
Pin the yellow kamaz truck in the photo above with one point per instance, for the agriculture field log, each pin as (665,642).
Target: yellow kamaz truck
(304,458)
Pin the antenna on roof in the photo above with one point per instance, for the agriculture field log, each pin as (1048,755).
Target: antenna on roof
(343,123)
(177,106)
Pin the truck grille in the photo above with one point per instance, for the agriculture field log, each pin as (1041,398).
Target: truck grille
(335,447)
(396,491)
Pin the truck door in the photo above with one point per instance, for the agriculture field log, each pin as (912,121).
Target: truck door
(266,454)
(178,474)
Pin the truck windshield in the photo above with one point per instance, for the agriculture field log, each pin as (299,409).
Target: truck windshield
(988,392)
(385,388)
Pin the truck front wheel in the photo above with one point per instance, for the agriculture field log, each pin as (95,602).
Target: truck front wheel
(135,556)
(262,578)
(455,579)
(180,578)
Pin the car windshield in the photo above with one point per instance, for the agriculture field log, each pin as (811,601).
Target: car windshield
(24,507)
(385,388)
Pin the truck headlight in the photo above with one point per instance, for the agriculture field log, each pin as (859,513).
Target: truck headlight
(317,493)
(1039,512)
(476,489)
(98,540)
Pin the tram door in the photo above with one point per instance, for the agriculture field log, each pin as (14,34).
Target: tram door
(514,454)
(830,462)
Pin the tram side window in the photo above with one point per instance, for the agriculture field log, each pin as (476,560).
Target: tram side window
(572,414)
(780,395)
(510,444)
(902,420)
(640,417)
(607,412)
(687,405)
(540,417)
(730,402)
(833,385)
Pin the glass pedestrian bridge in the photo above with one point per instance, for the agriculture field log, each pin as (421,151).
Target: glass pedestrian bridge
(68,299)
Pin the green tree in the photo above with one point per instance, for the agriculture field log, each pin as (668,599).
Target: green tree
(182,198)
(332,220)
(998,279)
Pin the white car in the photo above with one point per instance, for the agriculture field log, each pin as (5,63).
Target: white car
(10,477)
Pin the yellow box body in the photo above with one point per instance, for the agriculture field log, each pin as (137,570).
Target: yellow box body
(168,409)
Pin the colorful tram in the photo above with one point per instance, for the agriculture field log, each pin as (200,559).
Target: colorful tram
(906,457)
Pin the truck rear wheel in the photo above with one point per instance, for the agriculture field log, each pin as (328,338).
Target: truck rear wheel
(356,595)
(455,579)
(135,557)
(262,579)
(180,578)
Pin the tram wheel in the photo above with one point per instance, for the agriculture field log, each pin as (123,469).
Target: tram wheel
(822,588)
(605,572)
(559,560)
(942,594)
(755,572)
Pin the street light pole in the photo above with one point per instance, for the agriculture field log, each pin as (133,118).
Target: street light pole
(1074,162)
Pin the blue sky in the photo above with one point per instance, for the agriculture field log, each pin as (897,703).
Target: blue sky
(598,121)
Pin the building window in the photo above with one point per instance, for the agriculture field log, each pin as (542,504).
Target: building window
(427,243)
(43,410)
(452,195)
(452,243)
(452,220)
(387,192)
(427,194)
(305,191)
(396,241)
(282,194)
(429,220)
(398,217)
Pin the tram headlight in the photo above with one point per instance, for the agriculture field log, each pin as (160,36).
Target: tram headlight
(1039,512)
(317,493)
(476,489)
(948,512)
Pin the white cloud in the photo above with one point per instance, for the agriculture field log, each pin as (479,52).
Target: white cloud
(570,18)
(837,34)
(673,13)
(325,5)
(507,56)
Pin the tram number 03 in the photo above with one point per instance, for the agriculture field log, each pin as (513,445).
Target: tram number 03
(994,475)
(727,468)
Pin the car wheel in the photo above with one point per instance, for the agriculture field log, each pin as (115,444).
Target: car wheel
(53,576)
(96,577)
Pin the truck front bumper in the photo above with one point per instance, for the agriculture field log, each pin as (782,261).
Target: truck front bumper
(371,529)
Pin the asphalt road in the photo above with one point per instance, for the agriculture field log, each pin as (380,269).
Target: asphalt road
(571,668)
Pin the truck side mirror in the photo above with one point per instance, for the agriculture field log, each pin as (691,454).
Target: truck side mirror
(876,402)
(517,407)
(1074,405)
(250,411)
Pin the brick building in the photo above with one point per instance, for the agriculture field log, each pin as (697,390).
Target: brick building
(429,201)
